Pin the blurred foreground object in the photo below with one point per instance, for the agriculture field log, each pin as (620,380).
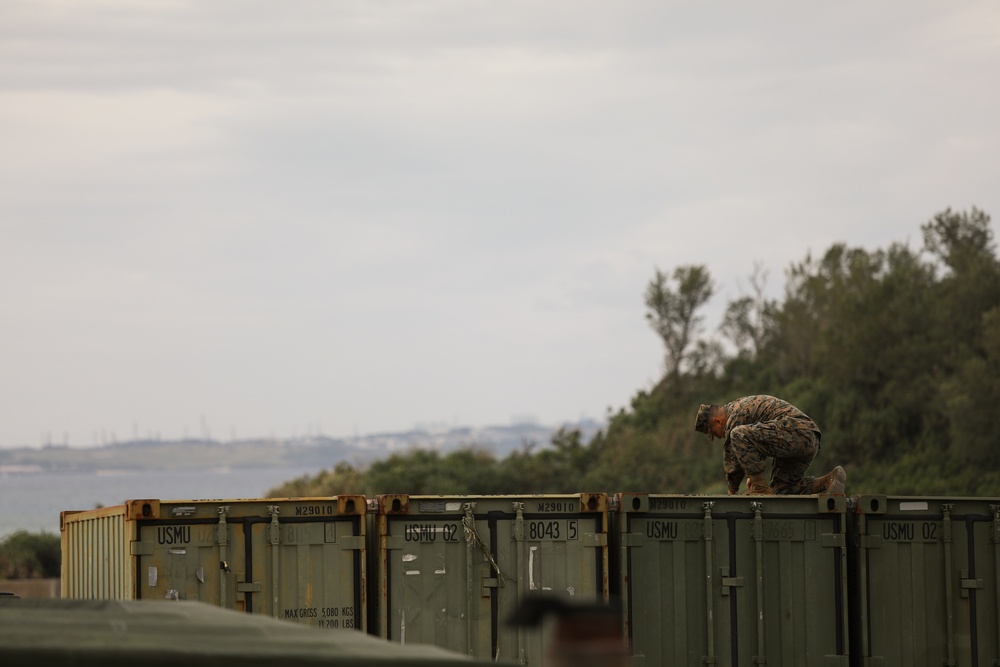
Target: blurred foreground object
(111,633)
(586,634)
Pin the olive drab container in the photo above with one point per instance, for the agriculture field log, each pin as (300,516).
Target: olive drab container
(926,577)
(297,559)
(453,569)
(733,580)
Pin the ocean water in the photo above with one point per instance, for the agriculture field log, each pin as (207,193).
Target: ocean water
(32,501)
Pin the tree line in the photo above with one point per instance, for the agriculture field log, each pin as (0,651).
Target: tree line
(894,352)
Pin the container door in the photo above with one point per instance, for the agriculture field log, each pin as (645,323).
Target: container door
(191,560)
(796,585)
(669,599)
(438,582)
(455,569)
(984,584)
(720,580)
(928,584)
(312,569)
(545,546)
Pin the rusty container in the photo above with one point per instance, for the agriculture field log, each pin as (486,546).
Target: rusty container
(298,559)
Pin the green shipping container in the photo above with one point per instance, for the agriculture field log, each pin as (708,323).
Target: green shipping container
(298,559)
(733,580)
(926,573)
(453,569)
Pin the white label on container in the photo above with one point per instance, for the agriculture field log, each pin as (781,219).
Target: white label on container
(452,507)
(409,557)
(152,575)
(913,506)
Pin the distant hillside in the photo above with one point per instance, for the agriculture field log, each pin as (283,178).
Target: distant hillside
(317,451)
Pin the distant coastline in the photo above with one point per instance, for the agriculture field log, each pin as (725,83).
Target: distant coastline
(314,452)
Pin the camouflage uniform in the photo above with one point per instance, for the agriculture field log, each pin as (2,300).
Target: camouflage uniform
(761,426)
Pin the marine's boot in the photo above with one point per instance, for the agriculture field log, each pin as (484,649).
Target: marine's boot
(758,486)
(832,482)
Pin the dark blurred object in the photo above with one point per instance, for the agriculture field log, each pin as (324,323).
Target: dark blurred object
(586,633)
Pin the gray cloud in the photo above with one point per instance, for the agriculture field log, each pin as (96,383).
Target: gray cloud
(375,214)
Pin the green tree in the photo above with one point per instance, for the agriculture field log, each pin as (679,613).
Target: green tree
(344,479)
(470,470)
(971,395)
(855,323)
(963,244)
(748,319)
(673,313)
(25,555)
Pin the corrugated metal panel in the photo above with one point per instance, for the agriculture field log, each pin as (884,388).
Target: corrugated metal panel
(301,559)
(926,573)
(452,569)
(733,579)
(95,554)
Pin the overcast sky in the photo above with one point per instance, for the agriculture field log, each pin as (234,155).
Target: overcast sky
(241,218)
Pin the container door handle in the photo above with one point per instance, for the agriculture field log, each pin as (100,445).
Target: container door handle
(950,620)
(709,659)
(222,538)
(758,538)
(996,575)
(275,540)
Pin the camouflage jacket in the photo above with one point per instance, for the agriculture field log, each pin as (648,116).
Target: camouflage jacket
(757,410)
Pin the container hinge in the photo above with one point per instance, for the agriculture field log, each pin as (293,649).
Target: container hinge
(519,522)
(731,582)
(141,548)
(830,540)
(968,583)
(352,542)
(489,582)
(274,530)
(633,540)
(595,539)
(222,530)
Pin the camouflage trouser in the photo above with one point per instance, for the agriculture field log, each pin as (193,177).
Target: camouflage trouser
(792,448)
